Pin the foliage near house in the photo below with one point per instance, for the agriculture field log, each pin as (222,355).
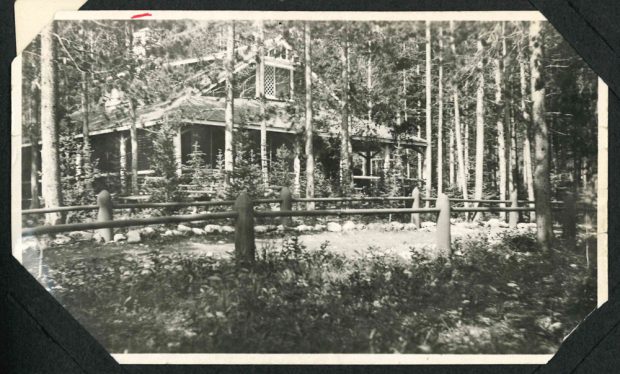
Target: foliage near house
(504,298)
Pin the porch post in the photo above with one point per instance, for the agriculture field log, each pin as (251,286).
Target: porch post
(386,162)
(408,163)
(178,153)
(296,168)
(134,159)
(292,83)
(364,166)
(123,162)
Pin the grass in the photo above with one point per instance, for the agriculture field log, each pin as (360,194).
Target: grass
(505,297)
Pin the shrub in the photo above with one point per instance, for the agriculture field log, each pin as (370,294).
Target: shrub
(165,185)
(484,299)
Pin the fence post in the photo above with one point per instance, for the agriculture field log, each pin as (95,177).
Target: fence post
(104,201)
(569,221)
(415,217)
(443,224)
(245,248)
(286,205)
(513,216)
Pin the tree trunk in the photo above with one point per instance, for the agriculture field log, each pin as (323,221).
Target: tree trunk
(459,145)
(513,180)
(440,118)
(85,126)
(296,168)
(133,134)
(34,120)
(34,170)
(123,162)
(229,66)
(309,129)
(451,160)
(466,151)
(501,135)
(260,95)
(429,145)
(527,136)
(345,159)
(52,195)
(479,129)
(542,185)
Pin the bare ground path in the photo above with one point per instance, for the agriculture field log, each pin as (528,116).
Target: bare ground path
(351,244)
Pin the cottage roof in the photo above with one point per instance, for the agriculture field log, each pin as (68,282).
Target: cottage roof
(209,110)
(192,107)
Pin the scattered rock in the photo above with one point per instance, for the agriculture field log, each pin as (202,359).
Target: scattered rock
(61,240)
(181,227)
(148,232)
(334,227)
(176,233)
(349,226)
(260,229)
(167,233)
(319,227)
(495,222)
(198,231)
(212,228)
(133,236)
(81,235)
(227,229)
(98,238)
(304,228)
(396,226)
(409,226)
(119,237)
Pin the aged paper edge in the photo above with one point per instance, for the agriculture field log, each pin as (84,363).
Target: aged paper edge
(26,25)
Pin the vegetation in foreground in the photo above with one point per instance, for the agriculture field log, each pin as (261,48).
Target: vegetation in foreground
(487,298)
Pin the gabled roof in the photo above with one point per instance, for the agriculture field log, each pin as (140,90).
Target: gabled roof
(210,110)
(202,109)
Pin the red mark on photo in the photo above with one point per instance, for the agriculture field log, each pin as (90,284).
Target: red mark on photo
(141,15)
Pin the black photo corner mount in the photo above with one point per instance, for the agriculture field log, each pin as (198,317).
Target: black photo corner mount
(37,335)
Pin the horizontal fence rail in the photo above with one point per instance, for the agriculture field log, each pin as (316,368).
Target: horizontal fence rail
(40,230)
(493,209)
(242,210)
(338,212)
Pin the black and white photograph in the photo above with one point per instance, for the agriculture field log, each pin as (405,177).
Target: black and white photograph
(293,183)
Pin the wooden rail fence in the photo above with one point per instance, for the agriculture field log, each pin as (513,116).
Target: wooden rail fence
(244,214)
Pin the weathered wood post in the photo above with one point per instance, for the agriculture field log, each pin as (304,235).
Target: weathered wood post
(443,224)
(415,217)
(104,201)
(513,216)
(569,220)
(286,205)
(245,248)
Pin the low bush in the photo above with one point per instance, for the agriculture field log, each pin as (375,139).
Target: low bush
(486,298)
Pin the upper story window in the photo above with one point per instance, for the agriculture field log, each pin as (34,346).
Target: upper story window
(278,82)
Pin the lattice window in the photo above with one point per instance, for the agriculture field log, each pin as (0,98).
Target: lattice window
(270,81)
(283,84)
